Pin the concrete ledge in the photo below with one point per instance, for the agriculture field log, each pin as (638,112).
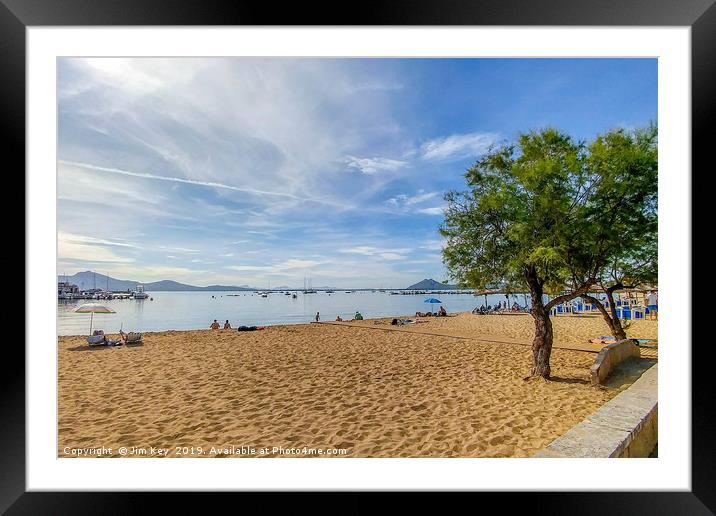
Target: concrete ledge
(626,426)
(611,355)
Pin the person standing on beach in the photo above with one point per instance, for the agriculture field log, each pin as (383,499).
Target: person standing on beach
(652,303)
(214,325)
(318,316)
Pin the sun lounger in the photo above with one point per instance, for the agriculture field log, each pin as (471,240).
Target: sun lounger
(133,338)
(100,339)
(96,340)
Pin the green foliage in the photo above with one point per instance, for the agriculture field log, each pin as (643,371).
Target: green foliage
(564,210)
(628,166)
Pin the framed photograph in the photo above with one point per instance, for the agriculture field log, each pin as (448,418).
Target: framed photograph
(409,249)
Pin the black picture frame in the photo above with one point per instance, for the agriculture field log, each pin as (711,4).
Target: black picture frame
(17,15)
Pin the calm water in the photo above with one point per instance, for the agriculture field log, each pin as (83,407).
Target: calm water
(196,310)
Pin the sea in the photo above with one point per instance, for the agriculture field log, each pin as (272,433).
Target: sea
(197,310)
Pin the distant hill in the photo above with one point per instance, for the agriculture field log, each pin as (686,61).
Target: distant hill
(431,284)
(88,279)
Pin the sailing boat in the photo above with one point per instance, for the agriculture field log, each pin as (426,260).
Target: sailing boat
(309,290)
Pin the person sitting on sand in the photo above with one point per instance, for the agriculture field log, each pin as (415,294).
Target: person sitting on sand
(339,318)
(358,316)
(515,307)
(214,325)
(227,326)
(442,312)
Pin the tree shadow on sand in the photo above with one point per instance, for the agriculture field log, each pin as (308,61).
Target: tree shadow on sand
(559,379)
(101,348)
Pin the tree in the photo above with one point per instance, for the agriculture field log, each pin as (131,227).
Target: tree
(627,165)
(541,216)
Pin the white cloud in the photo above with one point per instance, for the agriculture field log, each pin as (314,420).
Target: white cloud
(404,200)
(437,210)
(88,249)
(281,267)
(270,127)
(458,146)
(385,254)
(433,245)
(372,166)
(211,184)
(178,249)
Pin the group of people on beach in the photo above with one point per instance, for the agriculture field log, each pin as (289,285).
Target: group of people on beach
(227,326)
(215,325)
(440,313)
(500,307)
(357,317)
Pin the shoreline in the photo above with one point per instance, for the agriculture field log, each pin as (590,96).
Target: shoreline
(378,318)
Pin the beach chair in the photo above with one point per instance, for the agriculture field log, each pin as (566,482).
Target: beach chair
(132,338)
(96,340)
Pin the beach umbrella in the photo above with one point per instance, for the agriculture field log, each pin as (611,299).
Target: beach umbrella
(432,301)
(93,308)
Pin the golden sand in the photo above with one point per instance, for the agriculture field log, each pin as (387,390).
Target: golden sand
(369,392)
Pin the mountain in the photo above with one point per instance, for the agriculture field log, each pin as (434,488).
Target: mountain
(88,279)
(431,284)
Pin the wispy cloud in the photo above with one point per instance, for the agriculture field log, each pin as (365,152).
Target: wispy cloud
(88,249)
(211,184)
(386,254)
(401,201)
(436,210)
(457,146)
(278,268)
(372,166)
(433,244)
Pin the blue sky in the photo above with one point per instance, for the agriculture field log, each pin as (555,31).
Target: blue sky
(266,171)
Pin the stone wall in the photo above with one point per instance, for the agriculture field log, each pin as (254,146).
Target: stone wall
(626,426)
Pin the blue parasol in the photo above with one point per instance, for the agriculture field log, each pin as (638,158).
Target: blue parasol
(432,300)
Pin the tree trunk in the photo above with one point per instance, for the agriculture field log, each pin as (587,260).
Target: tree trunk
(614,323)
(542,342)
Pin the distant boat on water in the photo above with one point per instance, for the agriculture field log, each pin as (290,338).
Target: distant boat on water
(139,293)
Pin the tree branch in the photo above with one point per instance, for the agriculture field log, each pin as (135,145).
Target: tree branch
(568,297)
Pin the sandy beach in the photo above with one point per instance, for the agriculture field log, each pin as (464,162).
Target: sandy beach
(449,387)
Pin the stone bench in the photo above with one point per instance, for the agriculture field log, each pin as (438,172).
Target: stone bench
(610,356)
